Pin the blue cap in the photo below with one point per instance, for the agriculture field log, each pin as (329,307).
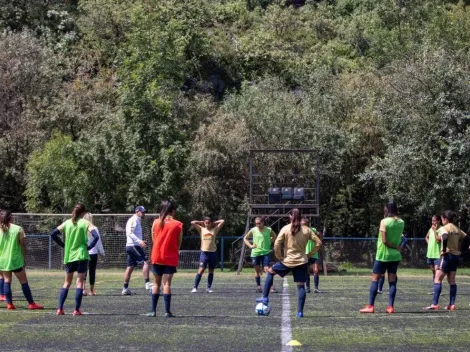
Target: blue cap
(140,208)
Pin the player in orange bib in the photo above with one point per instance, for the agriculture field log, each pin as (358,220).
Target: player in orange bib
(167,235)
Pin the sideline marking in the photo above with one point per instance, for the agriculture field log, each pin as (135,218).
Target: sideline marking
(286,328)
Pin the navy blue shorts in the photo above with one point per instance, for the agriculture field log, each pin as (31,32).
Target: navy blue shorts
(449,262)
(160,270)
(313,260)
(208,259)
(382,267)
(433,262)
(80,266)
(135,256)
(299,272)
(263,260)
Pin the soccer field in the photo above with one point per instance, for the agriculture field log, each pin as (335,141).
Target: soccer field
(226,321)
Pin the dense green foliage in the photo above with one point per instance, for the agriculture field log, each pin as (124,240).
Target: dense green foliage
(119,102)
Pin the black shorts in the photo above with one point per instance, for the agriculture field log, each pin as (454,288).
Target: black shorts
(313,260)
(299,272)
(80,266)
(135,256)
(382,267)
(160,270)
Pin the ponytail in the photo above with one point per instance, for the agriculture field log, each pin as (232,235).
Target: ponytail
(295,218)
(78,211)
(5,219)
(168,207)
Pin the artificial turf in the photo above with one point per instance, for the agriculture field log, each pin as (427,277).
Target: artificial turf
(226,321)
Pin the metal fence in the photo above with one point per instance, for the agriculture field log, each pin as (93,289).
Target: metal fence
(43,253)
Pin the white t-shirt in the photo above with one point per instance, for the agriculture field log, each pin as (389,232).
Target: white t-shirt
(98,249)
(133,231)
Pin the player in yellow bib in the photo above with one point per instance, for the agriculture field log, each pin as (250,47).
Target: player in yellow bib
(388,257)
(313,261)
(451,237)
(433,253)
(262,239)
(208,229)
(12,259)
(75,232)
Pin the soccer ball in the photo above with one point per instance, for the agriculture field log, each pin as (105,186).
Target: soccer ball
(262,309)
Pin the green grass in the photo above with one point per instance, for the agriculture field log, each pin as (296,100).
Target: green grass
(226,321)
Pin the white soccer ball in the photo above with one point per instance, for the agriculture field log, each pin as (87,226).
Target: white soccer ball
(262,309)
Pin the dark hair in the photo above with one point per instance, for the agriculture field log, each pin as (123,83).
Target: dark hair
(5,219)
(449,215)
(437,216)
(260,218)
(295,218)
(208,217)
(167,208)
(78,211)
(304,219)
(392,208)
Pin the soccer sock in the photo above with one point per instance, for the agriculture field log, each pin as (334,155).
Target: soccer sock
(302,296)
(78,298)
(373,292)
(267,284)
(210,279)
(62,297)
(7,291)
(147,280)
(155,297)
(392,293)
(27,292)
(316,280)
(453,294)
(307,283)
(126,285)
(258,280)
(2,282)
(381,283)
(437,293)
(197,280)
(167,299)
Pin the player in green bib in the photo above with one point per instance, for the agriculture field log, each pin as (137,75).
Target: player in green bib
(388,257)
(76,257)
(433,254)
(262,239)
(12,260)
(314,260)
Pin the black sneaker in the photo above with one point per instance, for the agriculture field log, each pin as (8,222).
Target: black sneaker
(307,290)
(169,315)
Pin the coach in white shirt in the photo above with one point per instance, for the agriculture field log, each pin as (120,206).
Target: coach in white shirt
(135,250)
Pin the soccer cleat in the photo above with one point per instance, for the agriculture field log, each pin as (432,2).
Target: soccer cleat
(151,314)
(317,290)
(194,290)
(126,292)
(367,309)
(11,306)
(431,293)
(209,290)
(432,307)
(264,300)
(307,290)
(148,286)
(3,298)
(170,315)
(77,313)
(273,290)
(379,292)
(390,310)
(60,312)
(85,293)
(34,306)
(259,290)
(450,307)
(300,315)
